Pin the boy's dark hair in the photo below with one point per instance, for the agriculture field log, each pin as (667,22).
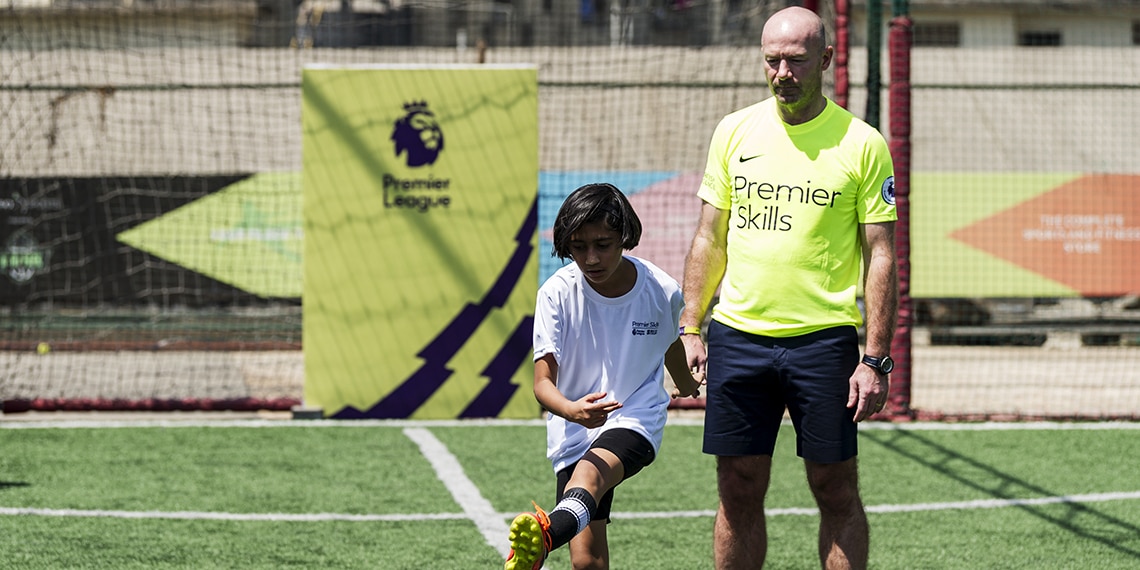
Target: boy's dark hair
(592,203)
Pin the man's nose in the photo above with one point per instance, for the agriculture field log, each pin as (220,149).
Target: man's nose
(784,69)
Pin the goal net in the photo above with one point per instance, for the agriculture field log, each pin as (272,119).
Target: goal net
(150,200)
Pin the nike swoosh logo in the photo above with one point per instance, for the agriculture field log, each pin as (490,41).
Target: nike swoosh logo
(742,159)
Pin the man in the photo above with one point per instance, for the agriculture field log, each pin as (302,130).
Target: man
(798,199)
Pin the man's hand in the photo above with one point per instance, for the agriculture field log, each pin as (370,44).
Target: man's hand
(679,361)
(696,355)
(868,392)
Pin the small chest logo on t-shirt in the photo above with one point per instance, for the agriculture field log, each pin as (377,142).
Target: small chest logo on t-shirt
(645,328)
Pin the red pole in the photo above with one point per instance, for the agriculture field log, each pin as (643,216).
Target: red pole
(842,43)
(900,94)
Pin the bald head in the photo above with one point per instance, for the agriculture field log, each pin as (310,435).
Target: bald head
(796,24)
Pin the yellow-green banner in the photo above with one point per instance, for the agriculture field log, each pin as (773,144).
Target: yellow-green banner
(420,212)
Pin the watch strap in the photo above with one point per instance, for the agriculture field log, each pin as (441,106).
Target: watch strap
(876,362)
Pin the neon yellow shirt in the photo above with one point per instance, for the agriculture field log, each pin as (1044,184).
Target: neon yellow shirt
(796,195)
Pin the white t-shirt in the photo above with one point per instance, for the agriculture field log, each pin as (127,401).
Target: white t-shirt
(613,345)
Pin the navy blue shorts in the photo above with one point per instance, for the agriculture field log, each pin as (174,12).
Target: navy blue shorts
(752,379)
(635,453)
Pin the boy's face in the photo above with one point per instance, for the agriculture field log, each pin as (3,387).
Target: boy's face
(597,250)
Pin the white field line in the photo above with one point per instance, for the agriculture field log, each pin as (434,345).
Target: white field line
(216,516)
(492,525)
(912,508)
(13,421)
(501,518)
(447,467)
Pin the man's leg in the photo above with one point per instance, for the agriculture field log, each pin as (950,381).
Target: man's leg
(740,537)
(843,531)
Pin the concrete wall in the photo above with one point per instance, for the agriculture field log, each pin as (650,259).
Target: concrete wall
(1000,26)
(208,111)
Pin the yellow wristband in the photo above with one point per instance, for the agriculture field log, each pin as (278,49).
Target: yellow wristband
(690,330)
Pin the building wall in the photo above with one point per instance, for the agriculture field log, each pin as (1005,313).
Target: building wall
(274,23)
(1087,31)
(173,94)
(42,30)
(209,111)
(1001,26)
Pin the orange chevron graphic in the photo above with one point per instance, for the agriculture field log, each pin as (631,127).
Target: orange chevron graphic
(1084,234)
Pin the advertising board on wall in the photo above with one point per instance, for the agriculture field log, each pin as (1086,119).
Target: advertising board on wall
(420,214)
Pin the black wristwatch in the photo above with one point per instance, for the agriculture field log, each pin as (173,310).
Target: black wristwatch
(882,365)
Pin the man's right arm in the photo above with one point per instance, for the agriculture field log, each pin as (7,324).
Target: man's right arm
(704,269)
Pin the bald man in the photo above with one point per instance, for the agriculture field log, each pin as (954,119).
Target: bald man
(798,206)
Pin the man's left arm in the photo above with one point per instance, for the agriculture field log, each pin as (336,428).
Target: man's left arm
(880,285)
(881,300)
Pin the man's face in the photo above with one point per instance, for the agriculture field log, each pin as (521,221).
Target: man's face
(793,66)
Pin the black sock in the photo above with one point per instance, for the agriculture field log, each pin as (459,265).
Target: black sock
(571,516)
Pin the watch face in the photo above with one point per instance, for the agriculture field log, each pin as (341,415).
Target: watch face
(887,365)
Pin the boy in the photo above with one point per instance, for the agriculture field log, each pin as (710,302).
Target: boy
(604,326)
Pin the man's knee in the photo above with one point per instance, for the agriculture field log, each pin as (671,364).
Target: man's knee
(834,485)
(743,481)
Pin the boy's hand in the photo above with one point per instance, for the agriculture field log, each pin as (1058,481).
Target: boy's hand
(591,412)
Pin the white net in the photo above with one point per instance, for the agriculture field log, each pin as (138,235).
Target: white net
(126,123)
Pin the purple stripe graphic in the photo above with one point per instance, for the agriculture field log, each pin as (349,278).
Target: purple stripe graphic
(495,395)
(417,388)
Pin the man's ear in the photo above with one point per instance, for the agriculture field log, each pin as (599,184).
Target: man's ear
(828,55)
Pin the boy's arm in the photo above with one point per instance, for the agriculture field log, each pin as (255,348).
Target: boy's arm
(589,412)
(546,384)
(687,383)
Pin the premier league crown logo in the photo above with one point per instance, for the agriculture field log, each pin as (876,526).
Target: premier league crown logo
(418,134)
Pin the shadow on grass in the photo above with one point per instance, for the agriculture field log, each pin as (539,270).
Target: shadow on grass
(1001,485)
(10,484)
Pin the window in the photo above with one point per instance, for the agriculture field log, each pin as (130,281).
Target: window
(1038,38)
(1136,33)
(937,34)
(593,11)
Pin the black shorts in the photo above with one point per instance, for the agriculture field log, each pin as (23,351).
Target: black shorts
(635,453)
(752,379)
